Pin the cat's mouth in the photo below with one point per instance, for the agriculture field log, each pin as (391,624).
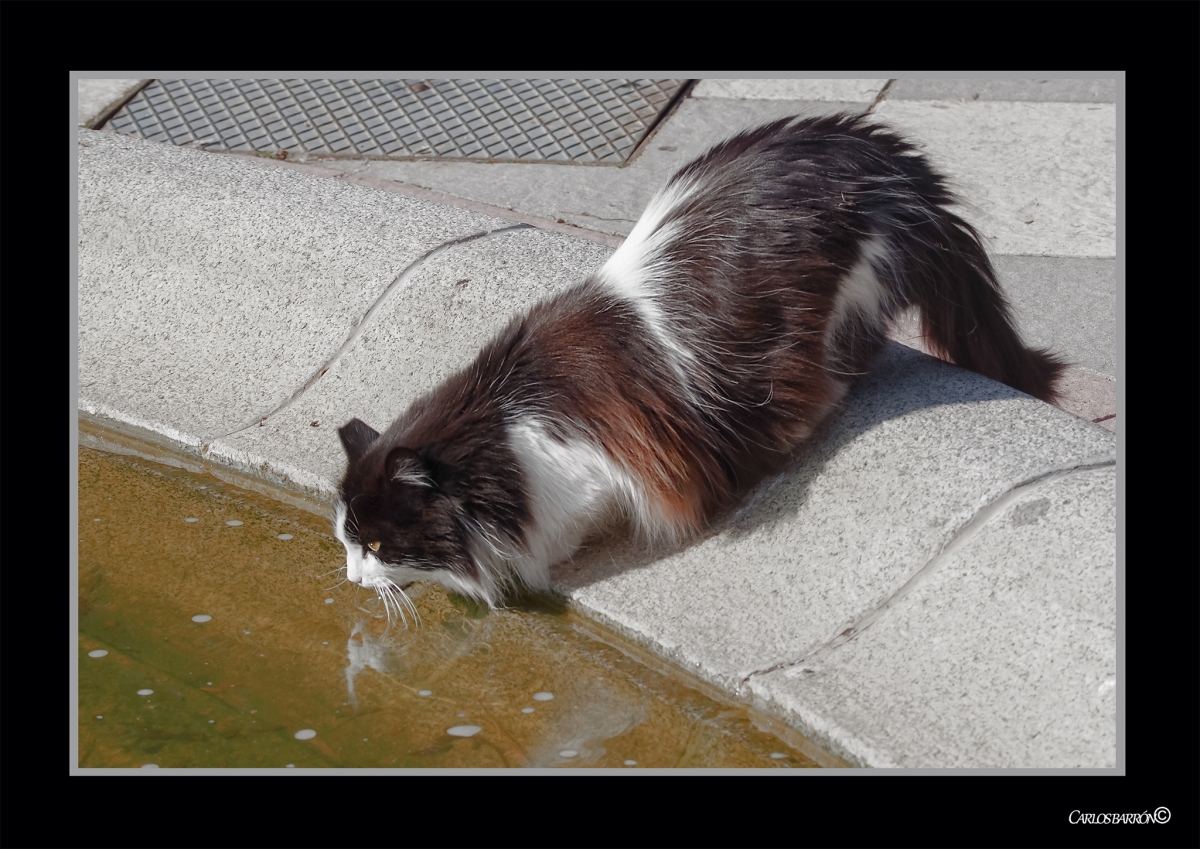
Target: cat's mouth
(375,582)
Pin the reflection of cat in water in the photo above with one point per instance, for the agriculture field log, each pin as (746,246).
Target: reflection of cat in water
(754,291)
(363,652)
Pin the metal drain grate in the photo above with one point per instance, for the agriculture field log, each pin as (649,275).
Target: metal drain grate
(598,121)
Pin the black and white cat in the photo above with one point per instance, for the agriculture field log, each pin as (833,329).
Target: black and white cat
(755,289)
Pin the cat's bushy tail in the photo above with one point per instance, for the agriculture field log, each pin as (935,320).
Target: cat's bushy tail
(965,317)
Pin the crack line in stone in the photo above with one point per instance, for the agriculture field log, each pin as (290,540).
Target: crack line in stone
(964,534)
(359,329)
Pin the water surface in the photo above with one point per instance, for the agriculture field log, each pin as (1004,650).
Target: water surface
(230,640)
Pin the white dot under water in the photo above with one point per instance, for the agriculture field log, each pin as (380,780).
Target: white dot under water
(568,753)
(305,734)
(463,730)
(99,717)
(201,617)
(425,692)
(778,755)
(211,721)
(329,601)
(245,632)
(97,653)
(284,536)
(291,766)
(543,697)
(324,642)
(191,519)
(95,520)
(630,763)
(149,766)
(233,523)
(526,710)
(145,692)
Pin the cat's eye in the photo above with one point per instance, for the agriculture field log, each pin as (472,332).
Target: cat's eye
(374,546)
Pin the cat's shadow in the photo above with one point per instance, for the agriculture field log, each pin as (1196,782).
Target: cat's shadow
(902,382)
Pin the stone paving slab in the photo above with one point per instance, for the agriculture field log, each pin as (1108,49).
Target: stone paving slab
(1051,91)
(97,99)
(867,90)
(1092,397)
(919,450)
(211,288)
(844,91)
(1067,304)
(1003,656)
(1038,179)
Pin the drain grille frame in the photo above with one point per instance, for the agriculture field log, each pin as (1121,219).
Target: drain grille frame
(581,122)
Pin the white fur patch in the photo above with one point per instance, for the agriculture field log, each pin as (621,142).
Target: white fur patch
(356,564)
(639,264)
(861,290)
(362,567)
(572,487)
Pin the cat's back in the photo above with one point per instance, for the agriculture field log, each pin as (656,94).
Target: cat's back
(791,205)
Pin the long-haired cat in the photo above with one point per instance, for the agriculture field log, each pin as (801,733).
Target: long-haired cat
(755,289)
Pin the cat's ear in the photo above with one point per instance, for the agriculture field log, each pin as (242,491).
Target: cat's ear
(357,436)
(406,466)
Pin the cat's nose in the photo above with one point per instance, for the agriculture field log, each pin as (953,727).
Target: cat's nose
(353,573)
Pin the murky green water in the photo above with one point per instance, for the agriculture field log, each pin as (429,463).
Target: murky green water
(229,642)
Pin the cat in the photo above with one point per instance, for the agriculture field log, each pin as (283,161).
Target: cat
(755,289)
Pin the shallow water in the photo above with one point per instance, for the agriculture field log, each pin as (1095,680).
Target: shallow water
(228,641)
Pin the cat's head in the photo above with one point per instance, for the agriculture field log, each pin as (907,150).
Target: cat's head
(401,520)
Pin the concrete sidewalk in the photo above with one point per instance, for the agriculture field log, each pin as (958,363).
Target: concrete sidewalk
(934,586)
